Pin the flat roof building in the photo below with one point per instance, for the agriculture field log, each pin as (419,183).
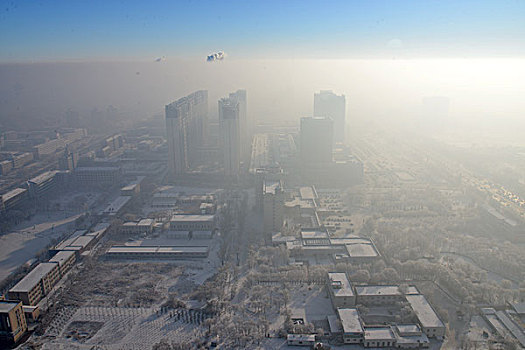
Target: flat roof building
(115,207)
(429,321)
(351,324)
(410,336)
(379,337)
(181,222)
(65,260)
(300,339)
(158,252)
(378,295)
(13,323)
(340,290)
(36,284)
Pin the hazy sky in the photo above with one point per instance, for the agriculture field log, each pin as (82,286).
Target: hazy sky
(87,30)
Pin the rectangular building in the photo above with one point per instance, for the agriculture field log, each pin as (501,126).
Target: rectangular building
(158,252)
(273,205)
(42,185)
(427,317)
(378,295)
(181,222)
(328,104)
(36,284)
(230,141)
(340,290)
(65,260)
(13,323)
(14,199)
(186,120)
(316,139)
(379,337)
(351,324)
(97,176)
(142,226)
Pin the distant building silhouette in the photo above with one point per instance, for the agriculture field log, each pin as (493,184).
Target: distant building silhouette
(186,120)
(316,139)
(230,140)
(328,104)
(244,123)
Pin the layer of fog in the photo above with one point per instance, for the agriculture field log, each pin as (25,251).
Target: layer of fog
(484,93)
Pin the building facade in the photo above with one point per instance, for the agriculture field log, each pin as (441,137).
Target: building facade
(13,323)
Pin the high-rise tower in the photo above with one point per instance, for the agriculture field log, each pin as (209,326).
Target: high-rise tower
(186,120)
(316,140)
(328,104)
(230,141)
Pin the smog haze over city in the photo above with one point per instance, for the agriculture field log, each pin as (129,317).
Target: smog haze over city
(262,175)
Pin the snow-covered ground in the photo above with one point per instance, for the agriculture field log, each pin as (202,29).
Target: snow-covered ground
(29,237)
(122,328)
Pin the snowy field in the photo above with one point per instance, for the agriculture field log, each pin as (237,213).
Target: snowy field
(119,328)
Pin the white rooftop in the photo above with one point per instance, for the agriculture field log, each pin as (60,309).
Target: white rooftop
(62,256)
(192,217)
(424,312)
(350,320)
(360,250)
(379,333)
(377,290)
(32,278)
(340,280)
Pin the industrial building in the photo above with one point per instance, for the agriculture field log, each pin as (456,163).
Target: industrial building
(13,323)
